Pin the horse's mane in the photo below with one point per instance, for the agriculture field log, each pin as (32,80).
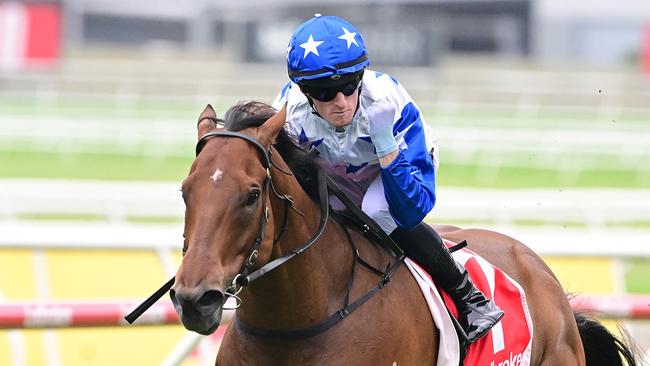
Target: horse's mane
(304,164)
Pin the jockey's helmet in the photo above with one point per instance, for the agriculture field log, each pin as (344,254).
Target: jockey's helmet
(325,47)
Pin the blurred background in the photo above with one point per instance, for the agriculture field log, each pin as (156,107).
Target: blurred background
(542,109)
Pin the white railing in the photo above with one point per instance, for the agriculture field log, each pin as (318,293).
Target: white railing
(176,137)
(114,201)
(111,313)
(553,222)
(617,243)
(73,314)
(120,201)
(107,313)
(593,208)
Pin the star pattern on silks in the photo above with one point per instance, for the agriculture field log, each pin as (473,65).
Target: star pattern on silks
(311,46)
(351,168)
(368,140)
(349,37)
(378,74)
(317,142)
(302,138)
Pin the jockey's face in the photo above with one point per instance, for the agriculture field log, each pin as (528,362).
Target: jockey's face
(336,97)
(340,110)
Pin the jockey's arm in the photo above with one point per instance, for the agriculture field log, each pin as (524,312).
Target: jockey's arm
(408,174)
(385,160)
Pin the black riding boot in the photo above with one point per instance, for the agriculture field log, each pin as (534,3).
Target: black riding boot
(423,244)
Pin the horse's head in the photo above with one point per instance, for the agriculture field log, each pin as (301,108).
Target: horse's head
(228,223)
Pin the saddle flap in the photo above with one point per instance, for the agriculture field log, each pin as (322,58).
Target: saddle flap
(509,342)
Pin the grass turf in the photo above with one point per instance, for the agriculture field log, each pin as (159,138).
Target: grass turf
(123,167)
(637,275)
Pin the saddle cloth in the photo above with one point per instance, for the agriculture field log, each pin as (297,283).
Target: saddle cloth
(508,343)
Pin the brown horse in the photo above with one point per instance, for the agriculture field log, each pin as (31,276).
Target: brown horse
(250,201)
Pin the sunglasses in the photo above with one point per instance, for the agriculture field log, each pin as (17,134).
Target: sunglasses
(327,94)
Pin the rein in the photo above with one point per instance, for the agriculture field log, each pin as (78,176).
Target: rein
(245,276)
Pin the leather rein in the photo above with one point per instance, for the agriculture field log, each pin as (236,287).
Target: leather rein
(246,275)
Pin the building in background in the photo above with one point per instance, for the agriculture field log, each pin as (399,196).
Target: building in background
(601,32)
(397,32)
(400,32)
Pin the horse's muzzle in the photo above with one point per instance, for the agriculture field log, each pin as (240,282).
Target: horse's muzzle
(199,310)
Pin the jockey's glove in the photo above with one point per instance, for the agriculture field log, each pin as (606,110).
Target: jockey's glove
(381,116)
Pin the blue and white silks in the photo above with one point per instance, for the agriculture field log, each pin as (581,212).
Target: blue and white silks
(401,194)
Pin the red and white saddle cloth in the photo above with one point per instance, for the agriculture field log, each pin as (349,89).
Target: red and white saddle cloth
(508,343)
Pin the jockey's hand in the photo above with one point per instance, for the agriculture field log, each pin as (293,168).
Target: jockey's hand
(381,116)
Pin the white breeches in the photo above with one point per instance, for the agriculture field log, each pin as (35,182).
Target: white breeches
(374,205)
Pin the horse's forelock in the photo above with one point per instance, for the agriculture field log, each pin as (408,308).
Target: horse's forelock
(247,114)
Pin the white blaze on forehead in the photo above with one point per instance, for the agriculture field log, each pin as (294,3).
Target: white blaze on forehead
(217,175)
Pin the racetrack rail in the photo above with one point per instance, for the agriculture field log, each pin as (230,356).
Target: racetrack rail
(110,313)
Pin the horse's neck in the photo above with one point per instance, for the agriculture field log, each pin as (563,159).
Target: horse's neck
(308,287)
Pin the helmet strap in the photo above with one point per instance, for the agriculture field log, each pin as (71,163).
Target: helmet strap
(313,109)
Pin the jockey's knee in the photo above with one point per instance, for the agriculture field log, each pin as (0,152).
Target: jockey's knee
(381,215)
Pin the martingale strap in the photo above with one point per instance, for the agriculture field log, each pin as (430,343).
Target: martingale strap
(327,323)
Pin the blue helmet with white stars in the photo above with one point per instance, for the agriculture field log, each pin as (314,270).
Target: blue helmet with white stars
(325,46)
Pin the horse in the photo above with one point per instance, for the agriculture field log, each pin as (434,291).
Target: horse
(253,211)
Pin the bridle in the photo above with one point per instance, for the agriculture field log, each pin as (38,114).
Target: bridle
(247,275)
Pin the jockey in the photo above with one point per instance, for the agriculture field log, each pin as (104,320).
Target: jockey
(375,144)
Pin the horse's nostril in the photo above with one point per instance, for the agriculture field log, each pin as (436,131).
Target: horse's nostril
(211,298)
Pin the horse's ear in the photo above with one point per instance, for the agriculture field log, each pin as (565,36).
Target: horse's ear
(272,126)
(206,121)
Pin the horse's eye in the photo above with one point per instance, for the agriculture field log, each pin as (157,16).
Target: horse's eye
(253,196)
